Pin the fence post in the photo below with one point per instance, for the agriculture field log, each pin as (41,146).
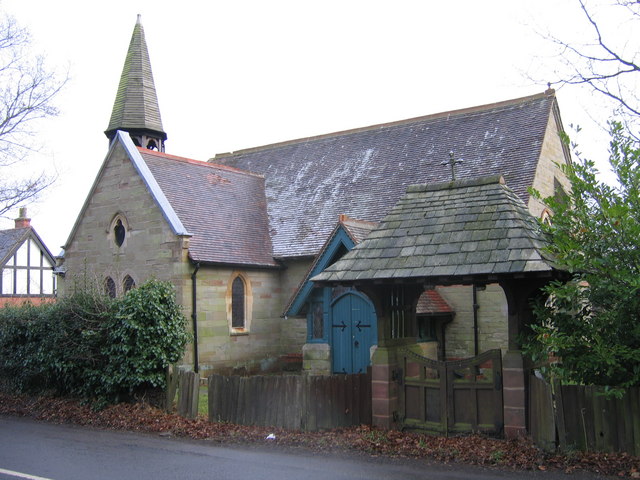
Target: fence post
(188,393)
(556,390)
(171,388)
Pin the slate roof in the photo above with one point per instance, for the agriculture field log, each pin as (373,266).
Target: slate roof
(446,231)
(10,240)
(363,172)
(222,208)
(136,103)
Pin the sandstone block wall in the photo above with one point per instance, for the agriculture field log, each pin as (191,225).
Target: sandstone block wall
(492,320)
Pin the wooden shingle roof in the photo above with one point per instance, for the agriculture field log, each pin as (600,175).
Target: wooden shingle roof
(453,230)
(136,104)
(362,173)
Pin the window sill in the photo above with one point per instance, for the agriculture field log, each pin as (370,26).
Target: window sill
(238,332)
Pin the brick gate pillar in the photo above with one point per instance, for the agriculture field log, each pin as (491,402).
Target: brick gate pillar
(399,302)
(514,394)
(384,390)
(519,293)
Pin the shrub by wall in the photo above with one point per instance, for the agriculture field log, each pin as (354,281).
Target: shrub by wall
(91,346)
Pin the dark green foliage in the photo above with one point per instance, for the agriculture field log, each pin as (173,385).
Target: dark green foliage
(592,323)
(92,346)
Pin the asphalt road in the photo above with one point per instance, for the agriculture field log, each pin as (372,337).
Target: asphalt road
(41,451)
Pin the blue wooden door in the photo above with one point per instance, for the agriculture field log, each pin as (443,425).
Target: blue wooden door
(353,332)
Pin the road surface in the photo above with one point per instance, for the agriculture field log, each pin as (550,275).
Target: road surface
(41,451)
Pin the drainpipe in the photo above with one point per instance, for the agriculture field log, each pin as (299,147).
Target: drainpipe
(475,320)
(194,317)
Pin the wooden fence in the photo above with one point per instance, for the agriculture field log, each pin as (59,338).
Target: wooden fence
(187,385)
(297,402)
(581,417)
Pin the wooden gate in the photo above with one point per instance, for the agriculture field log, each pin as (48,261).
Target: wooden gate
(453,397)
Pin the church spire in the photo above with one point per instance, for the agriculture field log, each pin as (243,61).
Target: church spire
(136,109)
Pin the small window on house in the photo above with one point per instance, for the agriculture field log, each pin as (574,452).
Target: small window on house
(317,321)
(237,304)
(128,284)
(119,233)
(110,287)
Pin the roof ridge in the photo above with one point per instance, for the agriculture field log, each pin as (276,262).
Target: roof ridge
(344,219)
(467,110)
(467,182)
(204,163)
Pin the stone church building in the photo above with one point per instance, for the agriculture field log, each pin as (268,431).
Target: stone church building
(242,235)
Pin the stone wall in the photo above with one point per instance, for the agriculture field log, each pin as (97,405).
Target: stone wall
(267,335)
(492,320)
(548,175)
(150,248)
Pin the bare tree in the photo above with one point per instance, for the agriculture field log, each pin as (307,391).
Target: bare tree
(604,64)
(27,90)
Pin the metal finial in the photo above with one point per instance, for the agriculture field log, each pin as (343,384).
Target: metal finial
(452,162)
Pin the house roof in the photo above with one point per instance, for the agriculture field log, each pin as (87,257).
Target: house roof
(449,232)
(222,208)
(363,172)
(136,104)
(432,303)
(12,239)
(356,229)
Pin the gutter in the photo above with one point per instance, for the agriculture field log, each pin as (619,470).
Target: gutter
(194,317)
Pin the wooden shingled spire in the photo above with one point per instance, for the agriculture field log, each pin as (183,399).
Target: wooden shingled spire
(136,109)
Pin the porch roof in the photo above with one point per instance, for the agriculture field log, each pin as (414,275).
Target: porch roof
(451,232)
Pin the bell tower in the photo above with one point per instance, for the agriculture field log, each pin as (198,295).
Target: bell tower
(136,109)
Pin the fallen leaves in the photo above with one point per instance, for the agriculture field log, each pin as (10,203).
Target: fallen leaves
(518,454)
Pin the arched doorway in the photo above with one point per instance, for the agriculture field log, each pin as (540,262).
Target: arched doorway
(353,332)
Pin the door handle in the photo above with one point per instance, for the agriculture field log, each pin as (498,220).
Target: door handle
(356,344)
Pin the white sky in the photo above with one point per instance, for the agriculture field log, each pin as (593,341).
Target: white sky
(239,74)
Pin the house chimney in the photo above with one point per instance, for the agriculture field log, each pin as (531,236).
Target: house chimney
(22,221)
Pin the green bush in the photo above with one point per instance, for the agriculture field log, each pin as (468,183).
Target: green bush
(590,325)
(91,346)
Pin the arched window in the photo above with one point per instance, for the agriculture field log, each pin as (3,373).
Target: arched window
(239,303)
(119,233)
(238,318)
(110,287)
(128,284)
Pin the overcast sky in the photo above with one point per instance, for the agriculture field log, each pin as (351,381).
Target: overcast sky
(238,74)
